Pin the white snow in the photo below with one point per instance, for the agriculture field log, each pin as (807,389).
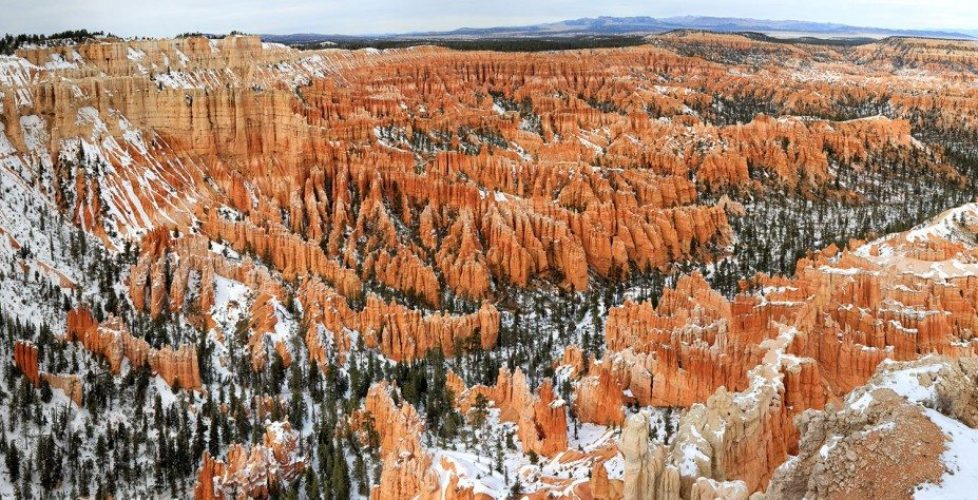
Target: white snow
(829,445)
(960,460)
(905,382)
(35,133)
(961,451)
(135,54)
(227,291)
(133,136)
(15,73)
(473,461)
(691,455)
(58,62)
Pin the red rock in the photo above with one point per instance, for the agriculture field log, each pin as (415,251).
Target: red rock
(243,474)
(113,341)
(407,471)
(25,357)
(541,420)
(599,399)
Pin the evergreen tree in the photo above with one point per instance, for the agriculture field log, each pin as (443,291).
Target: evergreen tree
(339,479)
(312,485)
(12,461)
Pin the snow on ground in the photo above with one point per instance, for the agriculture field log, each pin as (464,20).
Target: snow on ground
(167,396)
(590,437)
(956,225)
(691,457)
(231,301)
(135,54)
(905,382)
(58,62)
(224,250)
(961,449)
(474,461)
(32,234)
(945,225)
(35,134)
(15,73)
(960,459)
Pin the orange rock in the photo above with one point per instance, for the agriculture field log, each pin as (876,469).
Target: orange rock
(338,168)
(25,357)
(541,420)
(599,399)
(402,333)
(113,341)
(268,466)
(71,385)
(574,357)
(407,471)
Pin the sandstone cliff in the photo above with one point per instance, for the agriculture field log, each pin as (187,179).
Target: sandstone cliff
(842,448)
(25,357)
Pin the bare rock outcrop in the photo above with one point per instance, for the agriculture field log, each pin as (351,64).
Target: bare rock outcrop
(112,340)
(407,471)
(599,399)
(255,473)
(404,334)
(25,357)
(879,440)
(71,385)
(646,474)
(541,419)
(26,360)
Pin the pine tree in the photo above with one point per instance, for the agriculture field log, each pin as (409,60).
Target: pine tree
(214,439)
(361,472)
(198,447)
(13,462)
(339,479)
(516,492)
(312,485)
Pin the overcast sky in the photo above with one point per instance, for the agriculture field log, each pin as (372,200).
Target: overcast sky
(170,17)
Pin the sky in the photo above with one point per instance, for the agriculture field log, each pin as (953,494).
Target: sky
(171,17)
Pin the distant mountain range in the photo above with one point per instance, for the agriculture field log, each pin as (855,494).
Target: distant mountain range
(609,26)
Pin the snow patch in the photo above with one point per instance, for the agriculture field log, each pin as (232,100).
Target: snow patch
(959,459)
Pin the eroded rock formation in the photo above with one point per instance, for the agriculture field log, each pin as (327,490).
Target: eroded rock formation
(25,357)
(252,473)
(541,419)
(112,340)
(786,346)
(646,475)
(880,441)
(407,471)
(397,197)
